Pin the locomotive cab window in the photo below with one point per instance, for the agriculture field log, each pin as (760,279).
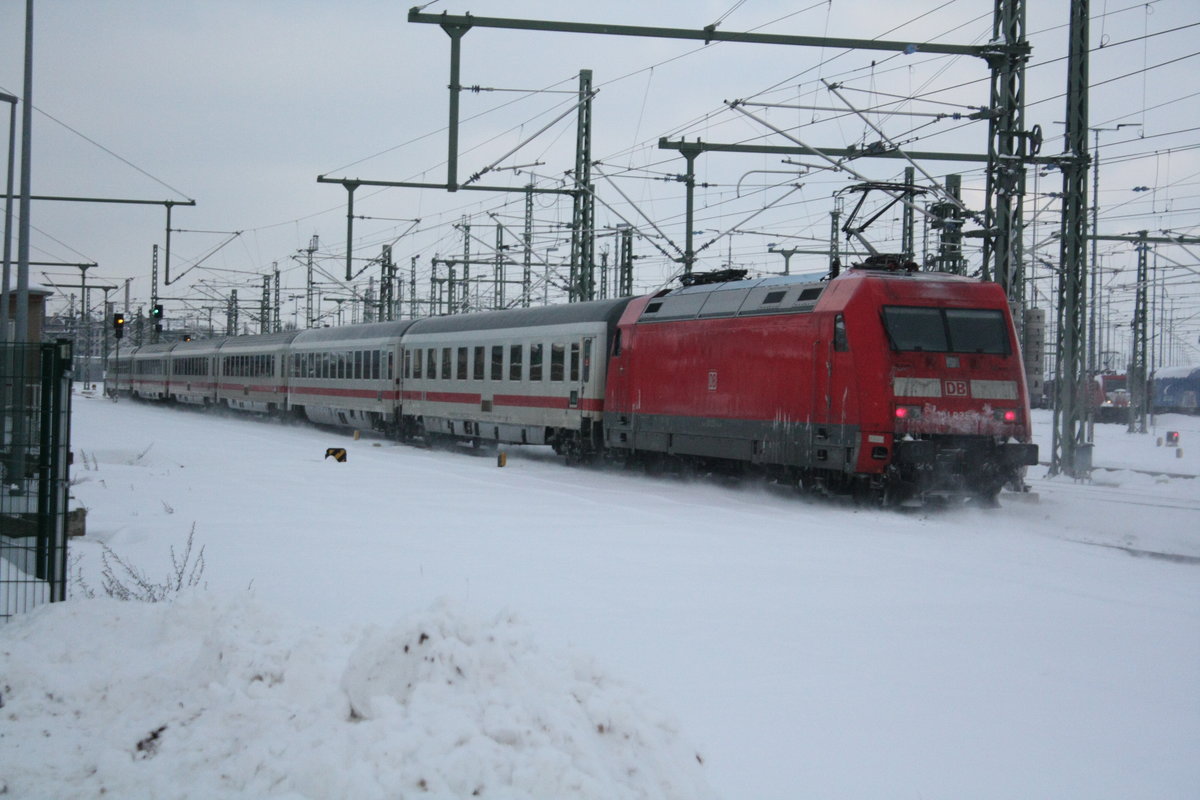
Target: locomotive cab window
(941,330)
(977,331)
(840,344)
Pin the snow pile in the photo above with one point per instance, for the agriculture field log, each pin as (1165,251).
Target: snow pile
(198,698)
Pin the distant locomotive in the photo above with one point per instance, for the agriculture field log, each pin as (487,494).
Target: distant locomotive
(886,384)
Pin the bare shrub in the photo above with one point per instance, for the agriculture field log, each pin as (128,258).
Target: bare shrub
(122,580)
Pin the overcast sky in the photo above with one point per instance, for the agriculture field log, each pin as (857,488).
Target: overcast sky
(240,106)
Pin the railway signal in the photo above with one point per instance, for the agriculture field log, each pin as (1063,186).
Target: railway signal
(118,325)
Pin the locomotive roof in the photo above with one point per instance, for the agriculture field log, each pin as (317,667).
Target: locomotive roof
(780,294)
(608,311)
(346,333)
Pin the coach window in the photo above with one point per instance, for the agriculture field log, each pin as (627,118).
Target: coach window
(557,353)
(358,367)
(587,360)
(462,364)
(839,334)
(391,370)
(478,372)
(375,356)
(574,362)
(515,364)
(408,363)
(418,355)
(431,363)
(447,357)
(535,362)
(497,362)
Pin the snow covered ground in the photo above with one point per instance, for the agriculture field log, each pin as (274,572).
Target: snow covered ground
(416,623)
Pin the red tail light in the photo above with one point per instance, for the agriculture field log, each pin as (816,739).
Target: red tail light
(1005,415)
(908,412)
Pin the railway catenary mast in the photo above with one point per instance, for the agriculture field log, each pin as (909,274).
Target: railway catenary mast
(1070,407)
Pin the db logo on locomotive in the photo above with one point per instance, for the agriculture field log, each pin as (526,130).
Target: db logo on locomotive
(955,388)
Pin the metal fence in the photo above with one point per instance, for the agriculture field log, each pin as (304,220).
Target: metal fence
(35,426)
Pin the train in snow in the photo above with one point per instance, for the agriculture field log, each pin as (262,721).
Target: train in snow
(887,384)
(1175,390)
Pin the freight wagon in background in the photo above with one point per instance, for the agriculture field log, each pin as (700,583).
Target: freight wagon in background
(1175,390)
(883,383)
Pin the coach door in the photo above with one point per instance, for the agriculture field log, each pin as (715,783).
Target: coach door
(580,371)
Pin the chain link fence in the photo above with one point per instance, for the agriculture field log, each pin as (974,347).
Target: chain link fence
(35,436)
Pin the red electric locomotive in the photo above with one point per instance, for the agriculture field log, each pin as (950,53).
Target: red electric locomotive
(892,384)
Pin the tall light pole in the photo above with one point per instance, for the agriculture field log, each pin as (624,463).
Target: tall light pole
(22,316)
(8,200)
(1094,300)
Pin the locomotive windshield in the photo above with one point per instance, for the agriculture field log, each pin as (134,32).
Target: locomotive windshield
(946,330)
